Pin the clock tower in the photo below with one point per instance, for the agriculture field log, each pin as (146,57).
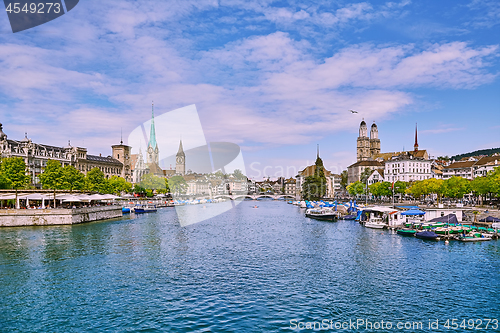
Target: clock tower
(180,161)
(152,151)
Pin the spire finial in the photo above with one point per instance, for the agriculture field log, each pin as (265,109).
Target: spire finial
(121,135)
(318,151)
(415,146)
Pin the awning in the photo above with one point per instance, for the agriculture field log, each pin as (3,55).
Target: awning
(413,212)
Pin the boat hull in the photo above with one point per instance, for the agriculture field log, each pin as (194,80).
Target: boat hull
(403,232)
(474,239)
(323,217)
(374,225)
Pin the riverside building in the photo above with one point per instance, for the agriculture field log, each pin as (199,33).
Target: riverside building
(36,155)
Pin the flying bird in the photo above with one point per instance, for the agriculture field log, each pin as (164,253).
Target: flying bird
(352,111)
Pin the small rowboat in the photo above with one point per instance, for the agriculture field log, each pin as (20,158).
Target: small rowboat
(474,239)
(406,232)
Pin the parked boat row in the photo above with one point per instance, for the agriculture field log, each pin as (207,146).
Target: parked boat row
(404,220)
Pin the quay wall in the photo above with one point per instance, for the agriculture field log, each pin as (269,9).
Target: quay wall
(32,217)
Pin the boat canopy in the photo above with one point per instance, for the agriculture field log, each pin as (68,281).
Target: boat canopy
(413,212)
(408,207)
(379,209)
(450,218)
(490,219)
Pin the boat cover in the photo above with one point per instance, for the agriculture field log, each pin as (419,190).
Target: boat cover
(450,218)
(490,219)
(427,234)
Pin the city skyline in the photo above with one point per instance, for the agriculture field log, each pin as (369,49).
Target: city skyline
(276,79)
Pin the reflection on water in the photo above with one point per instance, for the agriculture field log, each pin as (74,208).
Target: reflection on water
(247,270)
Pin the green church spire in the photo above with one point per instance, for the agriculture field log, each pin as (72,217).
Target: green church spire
(152,133)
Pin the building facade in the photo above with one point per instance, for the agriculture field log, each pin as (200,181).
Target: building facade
(36,155)
(406,168)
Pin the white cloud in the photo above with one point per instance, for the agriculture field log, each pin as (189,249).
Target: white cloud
(442,129)
(269,89)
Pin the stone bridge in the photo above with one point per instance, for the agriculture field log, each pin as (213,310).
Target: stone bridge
(250,196)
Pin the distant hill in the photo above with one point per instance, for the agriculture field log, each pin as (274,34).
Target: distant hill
(488,152)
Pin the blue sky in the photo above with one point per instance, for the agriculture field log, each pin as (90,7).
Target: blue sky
(275,77)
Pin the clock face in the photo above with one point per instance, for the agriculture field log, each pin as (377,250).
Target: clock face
(179,159)
(150,150)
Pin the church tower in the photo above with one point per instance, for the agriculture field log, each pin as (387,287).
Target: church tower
(374,141)
(152,151)
(180,161)
(121,152)
(363,149)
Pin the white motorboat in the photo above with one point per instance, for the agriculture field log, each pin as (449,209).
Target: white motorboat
(323,214)
(375,223)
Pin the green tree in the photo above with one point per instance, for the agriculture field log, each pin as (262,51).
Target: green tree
(315,186)
(375,189)
(456,187)
(417,189)
(13,170)
(343,179)
(400,187)
(138,189)
(152,182)
(73,179)
(494,180)
(4,181)
(95,181)
(177,184)
(435,186)
(52,176)
(481,186)
(381,189)
(238,174)
(219,174)
(117,185)
(356,188)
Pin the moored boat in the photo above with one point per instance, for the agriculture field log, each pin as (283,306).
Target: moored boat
(406,232)
(322,214)
(474,239)
(144,209)
(375,223)
(430,235)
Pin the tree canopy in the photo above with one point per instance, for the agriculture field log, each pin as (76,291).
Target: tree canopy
(13,173)
(152,182)
(315,186)
(177,185)
(52,176)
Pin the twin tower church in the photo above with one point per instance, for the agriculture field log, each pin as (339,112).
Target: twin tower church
(152,164)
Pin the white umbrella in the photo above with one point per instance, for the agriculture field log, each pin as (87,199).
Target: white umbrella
(109,197)
(96,197)
(68,198)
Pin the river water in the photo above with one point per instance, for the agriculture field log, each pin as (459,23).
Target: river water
(265,269)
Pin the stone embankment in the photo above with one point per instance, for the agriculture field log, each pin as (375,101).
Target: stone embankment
(32,217)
